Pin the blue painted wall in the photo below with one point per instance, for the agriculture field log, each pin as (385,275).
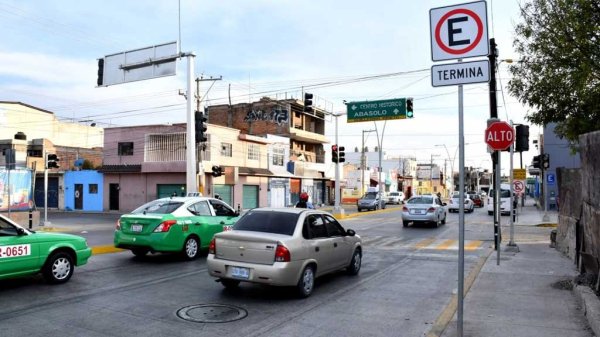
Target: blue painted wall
(91,201)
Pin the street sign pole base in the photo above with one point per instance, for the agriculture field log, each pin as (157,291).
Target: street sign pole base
(546,217)
(511,247)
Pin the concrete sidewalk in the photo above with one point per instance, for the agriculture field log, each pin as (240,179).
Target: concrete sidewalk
(529,293)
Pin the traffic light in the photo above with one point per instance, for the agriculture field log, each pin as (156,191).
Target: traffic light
(546,161)
(308,102)
(334,154)
(200,127)
(100,79)
(535,162)
(217,171)
(409,108)
(52,161)
(522,141)
(341,154)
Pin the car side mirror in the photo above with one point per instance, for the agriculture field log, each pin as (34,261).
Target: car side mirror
(350,232)
(20,231)
(444,204)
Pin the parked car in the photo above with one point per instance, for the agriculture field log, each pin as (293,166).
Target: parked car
(24,252)
(396,198)
(370,201)
(424,209)
(283,247)
(477,199)
(176,224)
(454,204)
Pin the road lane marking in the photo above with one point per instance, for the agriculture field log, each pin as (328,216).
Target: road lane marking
(446,245)
(105,249)
(424,243)
(472,245)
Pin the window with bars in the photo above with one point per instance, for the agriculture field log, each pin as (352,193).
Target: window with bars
(278,156)
(226,150)
(253,151)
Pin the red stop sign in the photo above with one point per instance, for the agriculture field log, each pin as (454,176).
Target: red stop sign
(499,136)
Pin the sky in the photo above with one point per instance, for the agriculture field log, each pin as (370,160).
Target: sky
(275,48)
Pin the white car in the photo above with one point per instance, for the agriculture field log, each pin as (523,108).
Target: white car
(454,204)
(395,198)
(505,201)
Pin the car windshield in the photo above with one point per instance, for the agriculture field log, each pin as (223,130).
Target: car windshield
(421,200)
(160,206)
(268,222)
(370,196)
(503,193)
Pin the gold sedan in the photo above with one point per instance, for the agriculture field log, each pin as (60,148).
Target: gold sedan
(283,247)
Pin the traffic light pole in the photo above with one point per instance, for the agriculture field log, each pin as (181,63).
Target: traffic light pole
(337,210)
(380,169)
(199,168)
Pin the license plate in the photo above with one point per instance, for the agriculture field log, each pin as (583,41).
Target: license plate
(240,272)
(136,228)
(227,228)
(15,251)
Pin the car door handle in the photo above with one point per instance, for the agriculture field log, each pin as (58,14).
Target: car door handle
(335,244)
(316,249)
(222,222)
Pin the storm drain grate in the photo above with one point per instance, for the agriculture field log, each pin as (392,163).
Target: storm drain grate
(211,313)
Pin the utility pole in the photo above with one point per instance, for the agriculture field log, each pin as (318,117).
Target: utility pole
(495,154)
(363,163)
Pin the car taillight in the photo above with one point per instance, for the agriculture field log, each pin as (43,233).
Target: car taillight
(431,210)
(212,246)
(404,209)
(118,226)
(165,226)
(282,254)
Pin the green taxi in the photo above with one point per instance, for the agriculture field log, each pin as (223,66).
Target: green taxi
(175,224)
(24,252)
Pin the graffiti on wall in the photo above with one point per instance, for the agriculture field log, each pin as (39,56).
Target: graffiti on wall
(277,115)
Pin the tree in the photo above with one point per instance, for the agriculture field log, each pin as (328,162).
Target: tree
(558,74)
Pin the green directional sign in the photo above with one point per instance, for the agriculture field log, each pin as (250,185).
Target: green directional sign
(376,110)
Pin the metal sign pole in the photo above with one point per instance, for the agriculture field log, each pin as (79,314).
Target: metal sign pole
(461,216)
(191,164)
(498,213)
(512,197)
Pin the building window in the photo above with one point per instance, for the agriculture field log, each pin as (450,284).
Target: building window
(278,155)
(125,148)
(226,150)
(93,188)
(253,151)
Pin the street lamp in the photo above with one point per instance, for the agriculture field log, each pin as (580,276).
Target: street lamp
(451,165)
(363,162)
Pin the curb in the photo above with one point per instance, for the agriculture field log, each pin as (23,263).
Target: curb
(590,304)
(105,249)
(447,314)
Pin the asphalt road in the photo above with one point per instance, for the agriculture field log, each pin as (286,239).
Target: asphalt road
(407,280)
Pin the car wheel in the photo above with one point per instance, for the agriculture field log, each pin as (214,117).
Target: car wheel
(58,268)
(354,266)
(191,248)
(139,252)
(444,220)
(229,284)
(404,223)
(306,284)
(490,213)
(437,223)
(376,207)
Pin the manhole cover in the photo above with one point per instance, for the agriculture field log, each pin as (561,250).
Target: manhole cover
(211,313)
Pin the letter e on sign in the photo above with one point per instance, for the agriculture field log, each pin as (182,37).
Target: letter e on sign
(459,31)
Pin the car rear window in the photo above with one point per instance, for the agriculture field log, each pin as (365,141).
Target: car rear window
(394,194)
(158,207)
(420,200)
(268,222)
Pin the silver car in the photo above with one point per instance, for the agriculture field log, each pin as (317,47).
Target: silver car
(424,209)
(283,247)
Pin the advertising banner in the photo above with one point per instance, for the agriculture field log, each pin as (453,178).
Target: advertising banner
(18,185)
